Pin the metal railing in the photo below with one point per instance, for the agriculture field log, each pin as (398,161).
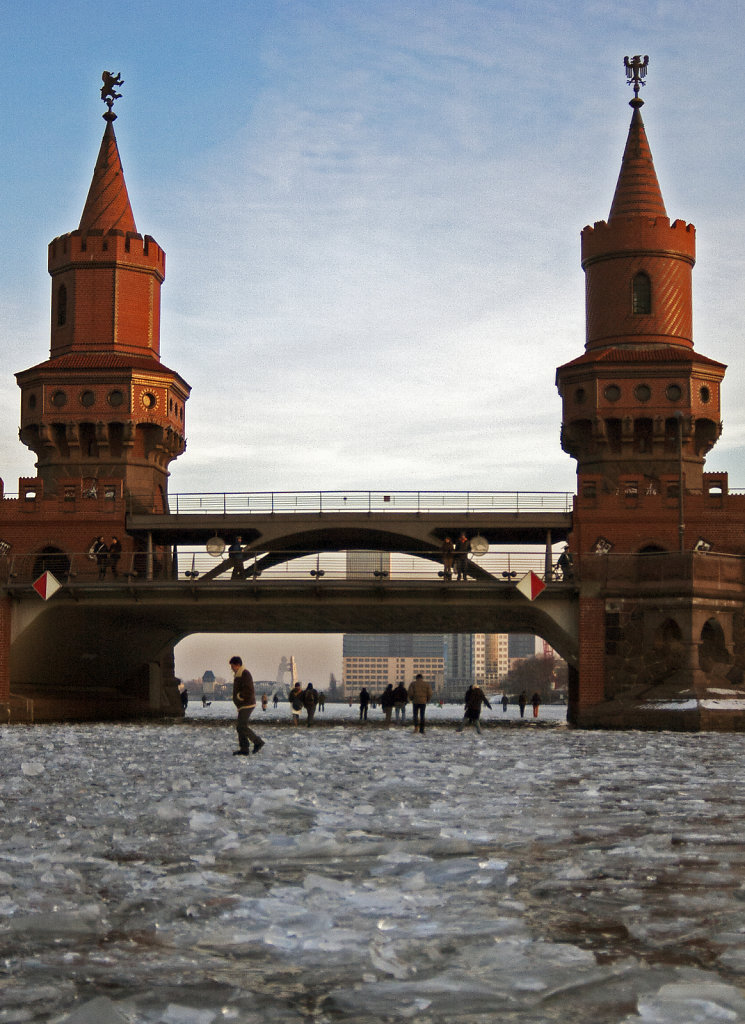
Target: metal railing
(456,502)
(192,564)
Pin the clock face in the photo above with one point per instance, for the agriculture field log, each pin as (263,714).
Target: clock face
(148,400)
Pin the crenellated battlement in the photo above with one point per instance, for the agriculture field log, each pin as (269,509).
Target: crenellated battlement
(633,235)
(99,247)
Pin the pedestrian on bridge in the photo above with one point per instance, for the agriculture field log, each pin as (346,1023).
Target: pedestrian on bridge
(101,551)
(448,554)
(565,565)
(115,553)
(235,554)
(244,698)
(364,703)
(462,550)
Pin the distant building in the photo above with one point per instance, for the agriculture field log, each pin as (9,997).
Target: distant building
(451,662)
(465,663)
(374,660)
(521,645)
(497,659)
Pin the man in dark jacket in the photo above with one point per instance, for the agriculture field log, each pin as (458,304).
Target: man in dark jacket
(244,699)
(400,700)
(310,700)
(386,703)
(474,698)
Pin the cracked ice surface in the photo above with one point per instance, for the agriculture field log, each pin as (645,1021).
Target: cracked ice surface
(362,875)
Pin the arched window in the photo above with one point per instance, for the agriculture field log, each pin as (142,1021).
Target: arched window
(641,294)
(713,646)
(61,306)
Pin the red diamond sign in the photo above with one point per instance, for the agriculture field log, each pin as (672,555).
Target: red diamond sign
(531,586)
(46,585)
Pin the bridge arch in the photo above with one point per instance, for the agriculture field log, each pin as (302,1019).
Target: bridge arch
(713,646)
(119,639)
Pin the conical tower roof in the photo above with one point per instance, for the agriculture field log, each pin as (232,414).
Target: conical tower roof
(638,191)
(107,207)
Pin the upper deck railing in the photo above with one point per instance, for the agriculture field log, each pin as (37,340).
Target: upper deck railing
(456,502)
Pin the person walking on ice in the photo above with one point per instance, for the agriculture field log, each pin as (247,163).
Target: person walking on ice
(244,698)
(474,698)
(420,694)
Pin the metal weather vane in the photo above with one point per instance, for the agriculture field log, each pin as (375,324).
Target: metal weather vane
(109,93)
(636,72)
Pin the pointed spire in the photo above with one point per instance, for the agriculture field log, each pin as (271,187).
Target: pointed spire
(107,206)
(638,191)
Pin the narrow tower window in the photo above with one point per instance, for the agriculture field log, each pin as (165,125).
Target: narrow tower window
(641,294)
(61,306)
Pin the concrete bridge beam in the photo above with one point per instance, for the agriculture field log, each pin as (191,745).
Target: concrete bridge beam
(118,640)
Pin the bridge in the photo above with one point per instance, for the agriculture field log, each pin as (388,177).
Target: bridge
(655,612)
(294,524)
(296,578)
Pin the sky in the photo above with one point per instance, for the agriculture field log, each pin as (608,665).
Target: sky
(371,214)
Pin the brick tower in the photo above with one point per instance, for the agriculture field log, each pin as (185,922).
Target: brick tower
(640,406)
(103,412)
(658,542)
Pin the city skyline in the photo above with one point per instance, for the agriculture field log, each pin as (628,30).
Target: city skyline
(371,216)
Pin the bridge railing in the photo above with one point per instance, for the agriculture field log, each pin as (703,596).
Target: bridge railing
(192,564)
(284,502)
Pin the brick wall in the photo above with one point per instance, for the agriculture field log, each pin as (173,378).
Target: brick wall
(591,652)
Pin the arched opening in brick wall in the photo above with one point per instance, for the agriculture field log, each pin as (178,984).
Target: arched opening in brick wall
(713,647)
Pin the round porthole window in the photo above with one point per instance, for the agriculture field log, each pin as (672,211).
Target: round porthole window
(116,398)
(87,399)
(59,398)
(580,395)
(674,392)
(148,400)
(32,401)
(612,392)
(705,395)
(642,392)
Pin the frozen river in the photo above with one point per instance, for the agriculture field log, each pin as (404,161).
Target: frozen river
(356,874)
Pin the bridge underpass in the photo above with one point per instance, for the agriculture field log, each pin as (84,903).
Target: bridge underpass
(118,639)
(118,635)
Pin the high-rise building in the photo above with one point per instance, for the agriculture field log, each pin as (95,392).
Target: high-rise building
(465,663)
(374,660)
(450,661)
(497,659)
(521,645)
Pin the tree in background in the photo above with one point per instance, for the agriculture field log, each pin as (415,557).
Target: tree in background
(546,676)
